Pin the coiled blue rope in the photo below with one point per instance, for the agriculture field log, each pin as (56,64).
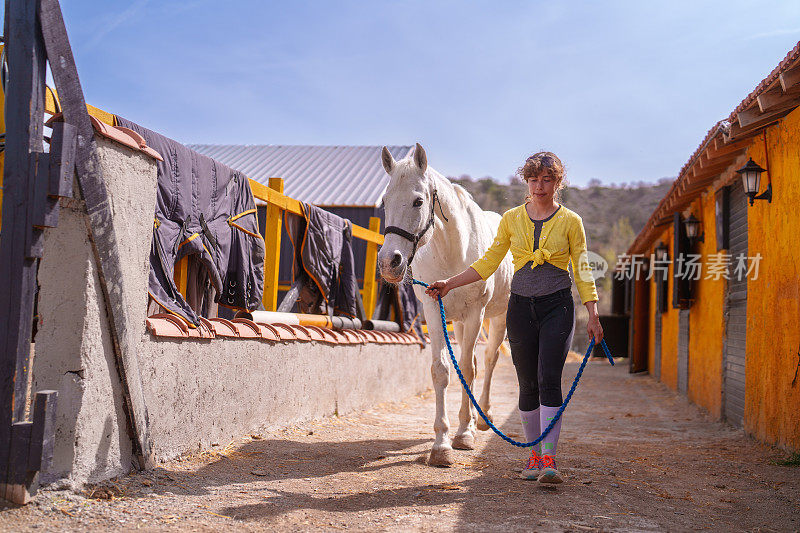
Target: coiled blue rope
(478,407)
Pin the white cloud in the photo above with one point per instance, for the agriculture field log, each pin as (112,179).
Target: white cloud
(114,23)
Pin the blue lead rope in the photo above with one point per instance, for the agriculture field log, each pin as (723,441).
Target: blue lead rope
(478,407)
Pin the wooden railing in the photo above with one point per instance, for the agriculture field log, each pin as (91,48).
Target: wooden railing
(277,203)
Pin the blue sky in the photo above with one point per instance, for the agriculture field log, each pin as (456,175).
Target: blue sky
(621,91)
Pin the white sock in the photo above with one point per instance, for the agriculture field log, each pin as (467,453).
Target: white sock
(531,424)
(551,440)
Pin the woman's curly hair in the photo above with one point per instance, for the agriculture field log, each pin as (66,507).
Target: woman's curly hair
(542,162)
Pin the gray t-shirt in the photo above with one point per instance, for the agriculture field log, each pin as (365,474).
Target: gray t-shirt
(545,278)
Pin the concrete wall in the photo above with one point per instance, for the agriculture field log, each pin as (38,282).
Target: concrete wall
(73,351)
(773,298)
(197,392)
(203,392)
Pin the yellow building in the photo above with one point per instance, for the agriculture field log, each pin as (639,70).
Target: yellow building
(716,317)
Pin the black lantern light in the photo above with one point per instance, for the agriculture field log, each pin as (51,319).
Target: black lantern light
(661,251)
(693,229)
(751,182)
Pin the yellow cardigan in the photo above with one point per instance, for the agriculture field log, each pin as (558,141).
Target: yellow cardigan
(562,238)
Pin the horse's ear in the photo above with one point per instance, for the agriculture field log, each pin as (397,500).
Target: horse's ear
(387,160)
(420,158)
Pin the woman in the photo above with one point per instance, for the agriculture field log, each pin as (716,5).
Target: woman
(543,237)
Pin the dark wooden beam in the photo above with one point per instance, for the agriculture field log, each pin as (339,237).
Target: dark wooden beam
(738,133)
(663,221)
(717,165)
(709,175)
(770,99)
(103,234)
(19,478)
(754,115)
(748,116)
(682,202)
(43,431)
(699,185)
(790,78)
(726,149)
(62,160)
(24,119)
(778,99)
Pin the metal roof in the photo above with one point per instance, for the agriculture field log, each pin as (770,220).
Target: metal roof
(321,175)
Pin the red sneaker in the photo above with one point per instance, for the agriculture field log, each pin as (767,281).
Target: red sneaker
(534,465)
(549,473)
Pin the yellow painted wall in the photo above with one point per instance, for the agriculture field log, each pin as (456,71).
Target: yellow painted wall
(772,404)
(651,339)
(669,327)
(669,324)
(706,322)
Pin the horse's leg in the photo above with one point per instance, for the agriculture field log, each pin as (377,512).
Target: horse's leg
(458,329)
(442,452)
(465,436)
(497,332)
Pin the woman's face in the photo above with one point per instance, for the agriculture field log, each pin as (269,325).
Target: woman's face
(542,187)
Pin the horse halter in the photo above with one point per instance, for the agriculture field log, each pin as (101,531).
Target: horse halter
(415,237)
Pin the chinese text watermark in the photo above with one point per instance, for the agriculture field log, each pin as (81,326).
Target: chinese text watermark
(689,266)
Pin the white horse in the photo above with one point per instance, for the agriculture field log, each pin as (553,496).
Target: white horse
(437,228)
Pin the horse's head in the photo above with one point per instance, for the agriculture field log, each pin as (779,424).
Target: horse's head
(408,204)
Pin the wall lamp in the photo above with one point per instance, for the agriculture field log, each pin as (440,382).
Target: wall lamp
(751,182)
(661,251)
(692,229)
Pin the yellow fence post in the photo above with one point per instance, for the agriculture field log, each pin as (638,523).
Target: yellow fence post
(370,285)
(272,240)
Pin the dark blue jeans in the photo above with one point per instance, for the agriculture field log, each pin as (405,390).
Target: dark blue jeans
(540,331)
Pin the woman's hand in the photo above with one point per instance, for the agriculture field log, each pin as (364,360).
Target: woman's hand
(438,288)
(443,286)
(594,329)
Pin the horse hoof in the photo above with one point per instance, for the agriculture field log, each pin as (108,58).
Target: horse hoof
(482,425)
(442,457)
(465,441)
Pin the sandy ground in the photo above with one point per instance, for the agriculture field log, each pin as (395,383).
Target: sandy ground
(636,457)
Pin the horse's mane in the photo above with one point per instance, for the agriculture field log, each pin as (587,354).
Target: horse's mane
(461,192)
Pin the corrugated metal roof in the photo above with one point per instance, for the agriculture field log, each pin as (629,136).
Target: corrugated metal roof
(321,175)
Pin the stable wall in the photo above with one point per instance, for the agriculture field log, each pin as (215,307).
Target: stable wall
(706,321)
(651,317)
(196,391)
(772,403)
(669,325)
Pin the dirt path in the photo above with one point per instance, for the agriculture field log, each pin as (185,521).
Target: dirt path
(636,457)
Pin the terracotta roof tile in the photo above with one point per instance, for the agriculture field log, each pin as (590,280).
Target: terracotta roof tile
(785,64)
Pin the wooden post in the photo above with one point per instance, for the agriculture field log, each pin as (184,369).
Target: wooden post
(272,241)
(2,154)
(17,268)
(370,264)
(25,179)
